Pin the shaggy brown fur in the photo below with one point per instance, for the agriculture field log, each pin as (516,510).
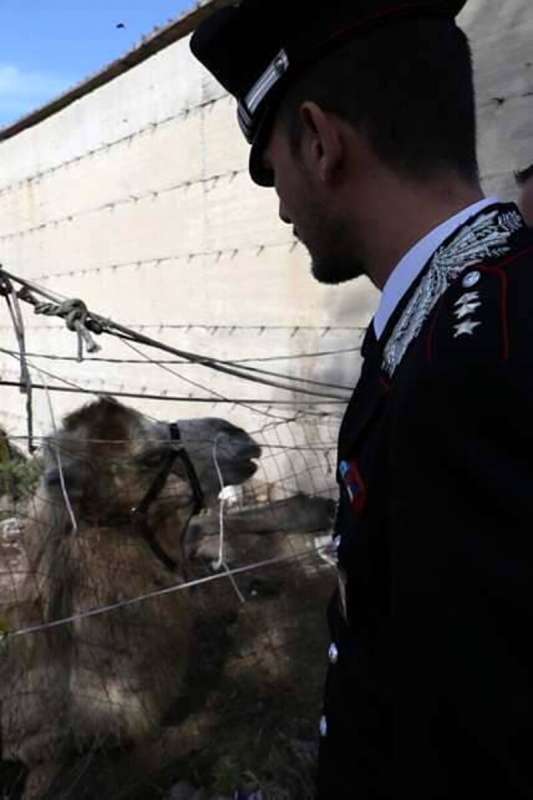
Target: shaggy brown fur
(108,679)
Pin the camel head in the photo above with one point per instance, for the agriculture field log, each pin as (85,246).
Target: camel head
(110,455)
(107,456)
(210,442)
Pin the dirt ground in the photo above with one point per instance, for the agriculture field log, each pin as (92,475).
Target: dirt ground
(249,716)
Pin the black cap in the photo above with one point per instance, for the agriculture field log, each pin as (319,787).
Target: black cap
(254,48)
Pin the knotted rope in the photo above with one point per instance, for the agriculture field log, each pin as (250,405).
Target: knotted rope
(76,317)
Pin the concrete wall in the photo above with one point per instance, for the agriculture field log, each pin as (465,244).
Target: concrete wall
(136,199)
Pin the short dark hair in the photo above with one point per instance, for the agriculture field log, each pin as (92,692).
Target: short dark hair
(523,175)
(409,86)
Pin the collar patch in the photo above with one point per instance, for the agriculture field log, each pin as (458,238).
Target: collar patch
(485,238)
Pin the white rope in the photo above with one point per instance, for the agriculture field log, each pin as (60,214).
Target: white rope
(221,562)
(57,454)
(218,564)
(17,319)
(159,593)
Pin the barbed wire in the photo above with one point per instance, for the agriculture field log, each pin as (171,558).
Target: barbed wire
(157,261)
(230,329)
(127,138)
(500,100)
(100,325)
(111,205)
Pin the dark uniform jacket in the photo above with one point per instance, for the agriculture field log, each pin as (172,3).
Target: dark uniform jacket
(429,689)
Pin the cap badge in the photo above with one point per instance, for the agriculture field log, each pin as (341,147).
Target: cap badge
(261,88)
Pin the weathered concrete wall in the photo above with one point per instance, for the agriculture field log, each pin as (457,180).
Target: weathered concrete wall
(136,199)
(501,35)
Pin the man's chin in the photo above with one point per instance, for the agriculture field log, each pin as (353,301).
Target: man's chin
(335,271)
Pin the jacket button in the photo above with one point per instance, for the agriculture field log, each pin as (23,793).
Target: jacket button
(333,653)
(323,727)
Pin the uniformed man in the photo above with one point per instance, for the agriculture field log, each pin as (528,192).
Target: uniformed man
(361,114)
(524,179)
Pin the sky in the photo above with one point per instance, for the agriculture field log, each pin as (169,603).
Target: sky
(47,46)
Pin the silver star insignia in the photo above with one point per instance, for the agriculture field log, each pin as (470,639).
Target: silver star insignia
(469,297)
(468,308)
(465,328)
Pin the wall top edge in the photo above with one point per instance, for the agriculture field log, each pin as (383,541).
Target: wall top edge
(149,46)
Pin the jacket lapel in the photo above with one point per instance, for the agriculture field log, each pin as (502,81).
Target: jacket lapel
(372,389)
(368,395)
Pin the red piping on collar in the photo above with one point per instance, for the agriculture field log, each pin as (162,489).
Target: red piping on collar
(504,280)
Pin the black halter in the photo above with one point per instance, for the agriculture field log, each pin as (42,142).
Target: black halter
(141,510)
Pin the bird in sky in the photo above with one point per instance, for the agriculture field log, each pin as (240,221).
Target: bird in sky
(120,25)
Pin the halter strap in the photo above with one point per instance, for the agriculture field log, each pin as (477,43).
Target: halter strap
(158,484)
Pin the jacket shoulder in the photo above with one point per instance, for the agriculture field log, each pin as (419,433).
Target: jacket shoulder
(487,313)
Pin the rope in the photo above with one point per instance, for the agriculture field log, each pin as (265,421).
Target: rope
(94,612)
(259,359)
(76,317)
(57,454)
(100,325)
(15,312)
(221,562)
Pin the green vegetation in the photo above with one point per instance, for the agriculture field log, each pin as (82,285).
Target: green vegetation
(19,478)
(18,475)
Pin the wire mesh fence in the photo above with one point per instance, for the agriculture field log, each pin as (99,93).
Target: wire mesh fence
(164,653)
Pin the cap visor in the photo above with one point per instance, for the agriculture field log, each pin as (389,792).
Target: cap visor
(259,173)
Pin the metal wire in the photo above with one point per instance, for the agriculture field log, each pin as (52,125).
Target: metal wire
(110,327)
(94,612)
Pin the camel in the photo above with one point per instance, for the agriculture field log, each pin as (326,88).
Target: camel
(107,680)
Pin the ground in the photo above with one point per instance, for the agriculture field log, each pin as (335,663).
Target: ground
(249,715)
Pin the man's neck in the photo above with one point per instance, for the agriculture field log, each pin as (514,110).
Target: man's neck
(408,214)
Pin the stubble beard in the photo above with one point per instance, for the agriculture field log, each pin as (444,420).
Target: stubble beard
(336,261)
(330,241)
(333,271)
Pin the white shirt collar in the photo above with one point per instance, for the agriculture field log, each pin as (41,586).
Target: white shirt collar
(413,262)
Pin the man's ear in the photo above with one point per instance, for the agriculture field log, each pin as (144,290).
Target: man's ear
(322,141)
